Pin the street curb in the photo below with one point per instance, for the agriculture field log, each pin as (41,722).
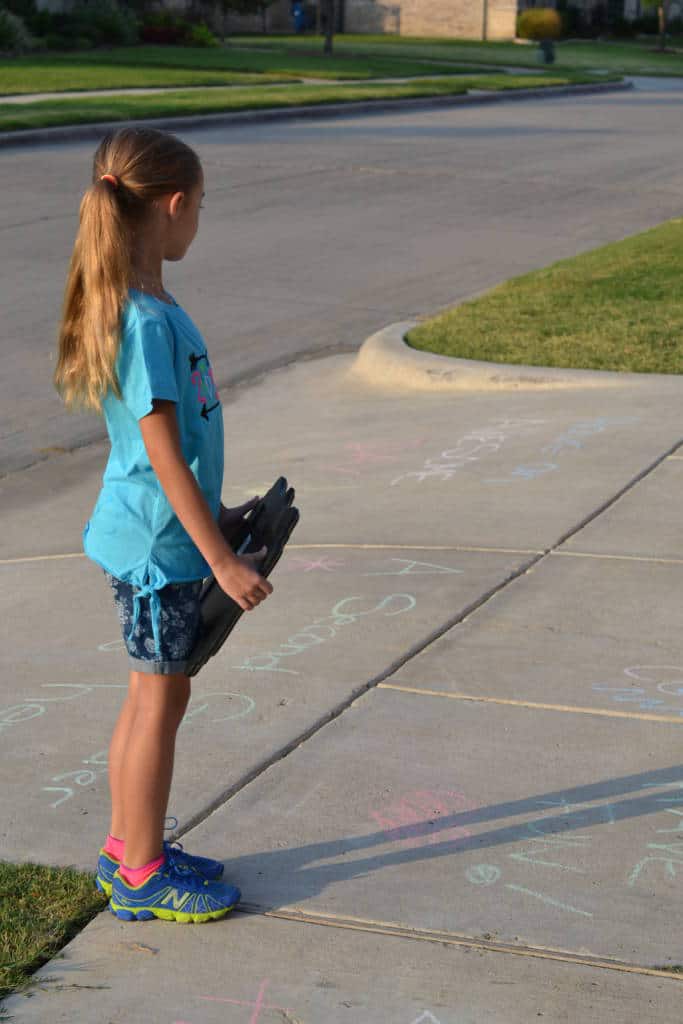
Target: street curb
(93,132)
(385,360)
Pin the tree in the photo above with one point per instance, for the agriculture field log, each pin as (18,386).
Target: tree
(663,10)
(329,25)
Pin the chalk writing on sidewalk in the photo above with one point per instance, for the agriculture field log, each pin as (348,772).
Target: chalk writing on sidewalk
(257,1005)
(410,567)
(423,807)
(34,707)
(95,765)
(365,456)
(659,679)
(571,440)
(217,707)
(112,645)
(470,448)
(344,613)
(322,564)
(545,849)
(669,853)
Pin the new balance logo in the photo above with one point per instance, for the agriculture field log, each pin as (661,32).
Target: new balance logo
(176,899)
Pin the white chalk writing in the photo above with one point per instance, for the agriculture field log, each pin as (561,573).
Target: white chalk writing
(471,448)
(571,440)
(344,613)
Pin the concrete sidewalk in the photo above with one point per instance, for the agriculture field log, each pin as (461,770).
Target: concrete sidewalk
(442,761)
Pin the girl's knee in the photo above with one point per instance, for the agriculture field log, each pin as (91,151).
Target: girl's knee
(161,695)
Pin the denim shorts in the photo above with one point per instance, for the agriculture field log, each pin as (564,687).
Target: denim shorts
(176,609)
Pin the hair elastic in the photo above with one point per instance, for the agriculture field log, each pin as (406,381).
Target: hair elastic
(111,178)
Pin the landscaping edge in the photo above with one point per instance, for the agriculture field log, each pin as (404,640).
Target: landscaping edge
(385,360)
(94,131)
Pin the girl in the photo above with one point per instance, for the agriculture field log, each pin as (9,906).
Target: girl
(128,349)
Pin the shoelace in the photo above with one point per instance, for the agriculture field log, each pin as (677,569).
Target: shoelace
(192,878)
(176,847)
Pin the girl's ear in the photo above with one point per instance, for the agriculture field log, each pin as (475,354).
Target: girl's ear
(176,203)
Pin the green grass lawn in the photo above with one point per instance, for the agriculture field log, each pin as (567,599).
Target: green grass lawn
(41,909)
(623,57)
(43,113)
(139,66)
(616,308)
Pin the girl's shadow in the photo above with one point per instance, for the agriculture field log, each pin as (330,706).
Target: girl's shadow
(294,875)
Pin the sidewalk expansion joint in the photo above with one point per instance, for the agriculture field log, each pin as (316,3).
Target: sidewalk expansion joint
(40,558)
(535,705)
(618,558)
(638,478)
(447,938)
(419,547)
(316,547)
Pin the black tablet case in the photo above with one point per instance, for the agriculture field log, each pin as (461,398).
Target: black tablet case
(269,524)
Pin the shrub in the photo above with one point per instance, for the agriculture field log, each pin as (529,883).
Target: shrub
(622,28)
(539,23)
(647,24)
(56,41)
(572,21)
(14,36)
(164,27)
(25,9)
(201,35)
(99,23)
(104,22)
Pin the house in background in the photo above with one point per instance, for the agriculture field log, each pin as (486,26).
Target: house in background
(455,19)
(461,19)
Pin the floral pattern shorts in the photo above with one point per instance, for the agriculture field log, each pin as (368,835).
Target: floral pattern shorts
(177,625)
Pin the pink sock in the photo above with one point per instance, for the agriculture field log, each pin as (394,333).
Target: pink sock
(136,876)
(114,847)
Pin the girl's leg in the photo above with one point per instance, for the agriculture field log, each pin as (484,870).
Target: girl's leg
(117,748)
(144,763)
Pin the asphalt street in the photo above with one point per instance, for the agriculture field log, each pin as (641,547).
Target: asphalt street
(316,234)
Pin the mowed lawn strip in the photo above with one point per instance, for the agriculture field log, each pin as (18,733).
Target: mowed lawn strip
(616,308)
(89,110)
(41,909)
(623,56)
(140,66)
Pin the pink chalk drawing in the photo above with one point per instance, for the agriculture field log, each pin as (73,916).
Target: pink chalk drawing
(362,455)
(259,1004)
(424,808)
(323,564)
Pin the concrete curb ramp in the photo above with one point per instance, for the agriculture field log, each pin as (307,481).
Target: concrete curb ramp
(81,132)
(386,360)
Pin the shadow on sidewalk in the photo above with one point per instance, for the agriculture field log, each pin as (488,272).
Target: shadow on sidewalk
(293,867)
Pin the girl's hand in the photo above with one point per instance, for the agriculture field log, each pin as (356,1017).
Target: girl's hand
(239,578)
(229,519)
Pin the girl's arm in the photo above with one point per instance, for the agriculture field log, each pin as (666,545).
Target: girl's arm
(235,574)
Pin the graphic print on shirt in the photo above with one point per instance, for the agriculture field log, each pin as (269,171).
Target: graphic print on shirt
(202,378)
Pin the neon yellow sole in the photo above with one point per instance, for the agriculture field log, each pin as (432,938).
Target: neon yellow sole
(105,887)
(145,913)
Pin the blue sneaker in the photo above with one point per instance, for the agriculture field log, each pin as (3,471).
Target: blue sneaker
(173,893)
(206,866)
(107,865)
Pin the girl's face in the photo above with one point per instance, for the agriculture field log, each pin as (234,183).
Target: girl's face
(182,221)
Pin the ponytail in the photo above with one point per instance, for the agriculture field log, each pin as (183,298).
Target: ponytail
(132,167)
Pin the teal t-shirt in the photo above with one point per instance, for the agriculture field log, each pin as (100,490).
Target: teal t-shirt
(133,532)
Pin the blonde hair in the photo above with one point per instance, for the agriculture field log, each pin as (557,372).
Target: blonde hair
(132,168)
